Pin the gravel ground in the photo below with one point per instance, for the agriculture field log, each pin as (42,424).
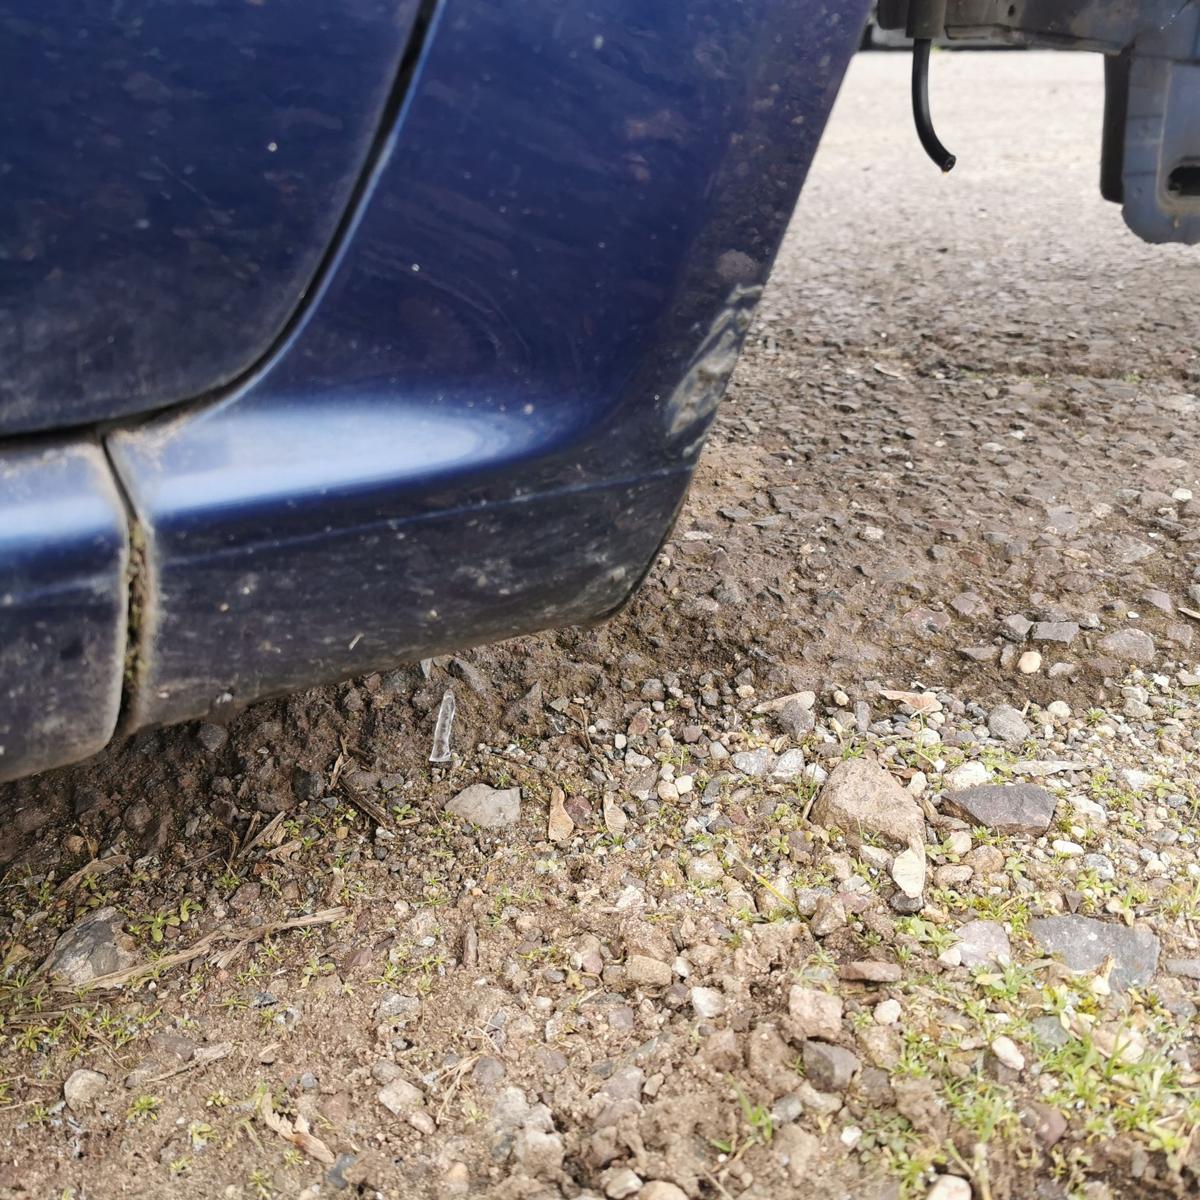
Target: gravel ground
(857,858)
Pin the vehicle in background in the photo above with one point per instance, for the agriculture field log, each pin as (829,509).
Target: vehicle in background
(341,336)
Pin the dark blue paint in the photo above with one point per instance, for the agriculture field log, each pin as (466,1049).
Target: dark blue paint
(486,411)
(172,172)
(485,420)
(63,601)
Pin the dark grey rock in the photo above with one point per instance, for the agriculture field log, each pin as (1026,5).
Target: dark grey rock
(1083,944)
(1061,632)
(398,1009)
(1006,724)
(488,1072)
(306,785)
(1049,1032)
(829,1068)
(1186,968)
(1012,808)
(212,737)
(794,719)
(1016,628)
(527,715)
(335,1176)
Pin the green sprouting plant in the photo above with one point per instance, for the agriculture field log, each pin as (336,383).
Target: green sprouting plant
(200,1133)
(313,969)
(757,1117)
(260,1184)
(143,1108)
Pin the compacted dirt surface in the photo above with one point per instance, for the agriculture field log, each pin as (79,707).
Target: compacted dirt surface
(856,858)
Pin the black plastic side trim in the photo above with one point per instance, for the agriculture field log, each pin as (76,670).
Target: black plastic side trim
(1112,143)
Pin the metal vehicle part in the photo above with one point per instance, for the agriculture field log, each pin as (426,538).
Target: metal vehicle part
(1151,141)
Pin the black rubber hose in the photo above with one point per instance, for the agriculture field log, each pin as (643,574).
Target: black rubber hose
(920,102)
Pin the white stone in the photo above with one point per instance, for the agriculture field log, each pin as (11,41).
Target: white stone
(401,1097)
(949,1187)
(705,868)
(908,871)
(1029,663)
(968,774)
(1005,1049)
(707,1002)
(887,1012)
(959,843)
(790,764)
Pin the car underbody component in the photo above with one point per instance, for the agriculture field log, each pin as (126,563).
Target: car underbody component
(920,101)
(1151,142)
(924,22)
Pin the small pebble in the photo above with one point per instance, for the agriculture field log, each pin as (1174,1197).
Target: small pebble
(887,1012)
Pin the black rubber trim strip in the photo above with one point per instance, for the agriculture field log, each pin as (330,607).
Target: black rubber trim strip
(1112,138)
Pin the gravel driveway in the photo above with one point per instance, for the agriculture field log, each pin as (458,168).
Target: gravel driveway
(857,858)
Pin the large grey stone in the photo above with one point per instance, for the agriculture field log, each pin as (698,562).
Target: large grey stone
(983,944)
(862,800)
(1012,808)
(1063,632)
(1083,944)
(95,946)
(1006,724)
(1129,645)
(493,808)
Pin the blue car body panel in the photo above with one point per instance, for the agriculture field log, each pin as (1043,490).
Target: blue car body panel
(63,601)
(486,414)
(173,172)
